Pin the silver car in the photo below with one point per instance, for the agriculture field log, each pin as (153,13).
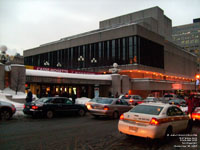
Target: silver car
(6,110)
(111,107)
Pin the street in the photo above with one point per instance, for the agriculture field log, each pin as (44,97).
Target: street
(76,133)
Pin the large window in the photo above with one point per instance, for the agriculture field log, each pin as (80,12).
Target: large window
(126,50)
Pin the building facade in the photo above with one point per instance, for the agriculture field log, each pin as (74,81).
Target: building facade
(188,37)
(140,43)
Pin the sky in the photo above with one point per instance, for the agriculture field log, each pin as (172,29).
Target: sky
(26,24)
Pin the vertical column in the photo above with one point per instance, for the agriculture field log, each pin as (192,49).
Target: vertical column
(116,84)
(125,84)
(2,76)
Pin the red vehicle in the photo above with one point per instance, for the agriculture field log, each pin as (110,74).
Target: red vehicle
(196,114)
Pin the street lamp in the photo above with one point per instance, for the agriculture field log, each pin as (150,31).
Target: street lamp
(59,64)
(93,61)
(46,63)
(81,60)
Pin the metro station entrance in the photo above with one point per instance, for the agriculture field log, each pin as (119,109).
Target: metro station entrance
(47,90)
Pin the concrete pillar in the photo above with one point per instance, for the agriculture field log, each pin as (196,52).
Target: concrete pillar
(18,77)
(2,76)
(126,85)
(116,84)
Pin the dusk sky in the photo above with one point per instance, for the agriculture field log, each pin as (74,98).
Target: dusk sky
(25,24)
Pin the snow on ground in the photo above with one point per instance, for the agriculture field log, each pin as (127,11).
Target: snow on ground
(9,92)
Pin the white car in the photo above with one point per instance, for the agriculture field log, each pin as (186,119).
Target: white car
(153,120)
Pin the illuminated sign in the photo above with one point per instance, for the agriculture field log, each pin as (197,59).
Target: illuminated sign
(177,86)
(61,70)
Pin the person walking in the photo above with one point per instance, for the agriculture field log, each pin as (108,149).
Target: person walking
(29,96)
(73,98)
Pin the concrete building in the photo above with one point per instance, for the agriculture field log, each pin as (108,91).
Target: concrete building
(188,37)
(140,43)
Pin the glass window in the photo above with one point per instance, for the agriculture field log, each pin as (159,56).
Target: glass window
(147,109)
(113,49)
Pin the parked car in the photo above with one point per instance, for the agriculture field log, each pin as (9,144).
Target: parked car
(151,99)
(6,110)
(178,102)
(153,120)
(133,99)
(111,107)
(196,114)
(169,96)
(50,106)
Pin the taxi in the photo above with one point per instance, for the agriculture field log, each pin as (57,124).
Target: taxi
(153,120)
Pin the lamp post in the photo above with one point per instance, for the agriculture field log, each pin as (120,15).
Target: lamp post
(59,64)
(46,63)
(93,61)
(80,61)
(4,58)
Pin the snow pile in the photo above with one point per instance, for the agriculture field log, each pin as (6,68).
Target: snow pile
(82,100)
(9,92)
(42,73)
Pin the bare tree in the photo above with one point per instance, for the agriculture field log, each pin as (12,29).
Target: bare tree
(18,80)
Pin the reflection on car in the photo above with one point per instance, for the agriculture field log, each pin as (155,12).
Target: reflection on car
(50,106)
(153,120)
(178,102)
(111,107)
(133,99)
(151,99)
(6,110)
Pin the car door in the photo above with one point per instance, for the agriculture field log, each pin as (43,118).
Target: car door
(176,116)
(68,106)
(56,104)
(122,106)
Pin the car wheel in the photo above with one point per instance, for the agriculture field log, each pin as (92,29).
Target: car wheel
(81,112)
(96,116)
(189,126)
(5,115)
(49,114)
(115,115)
(168,133)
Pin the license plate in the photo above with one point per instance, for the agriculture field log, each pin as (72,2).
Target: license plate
(133,128)
(27,106)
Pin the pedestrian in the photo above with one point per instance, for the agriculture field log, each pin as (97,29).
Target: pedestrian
(29,96)
(116,95)
(73,98)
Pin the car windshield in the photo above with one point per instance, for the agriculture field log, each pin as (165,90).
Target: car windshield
(95,99)
(126,97)
(104,101)
(147,109)
(149,99)
(43,100)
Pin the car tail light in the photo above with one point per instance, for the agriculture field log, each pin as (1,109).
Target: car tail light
(196,116)
(178,105)
(34,107)
(24,106)
(131,100)
(121,117)
(106,108)
(154,121)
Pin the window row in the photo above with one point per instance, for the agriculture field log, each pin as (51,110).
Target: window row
(127,50)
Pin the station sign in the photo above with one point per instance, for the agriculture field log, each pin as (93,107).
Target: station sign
(61,70)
